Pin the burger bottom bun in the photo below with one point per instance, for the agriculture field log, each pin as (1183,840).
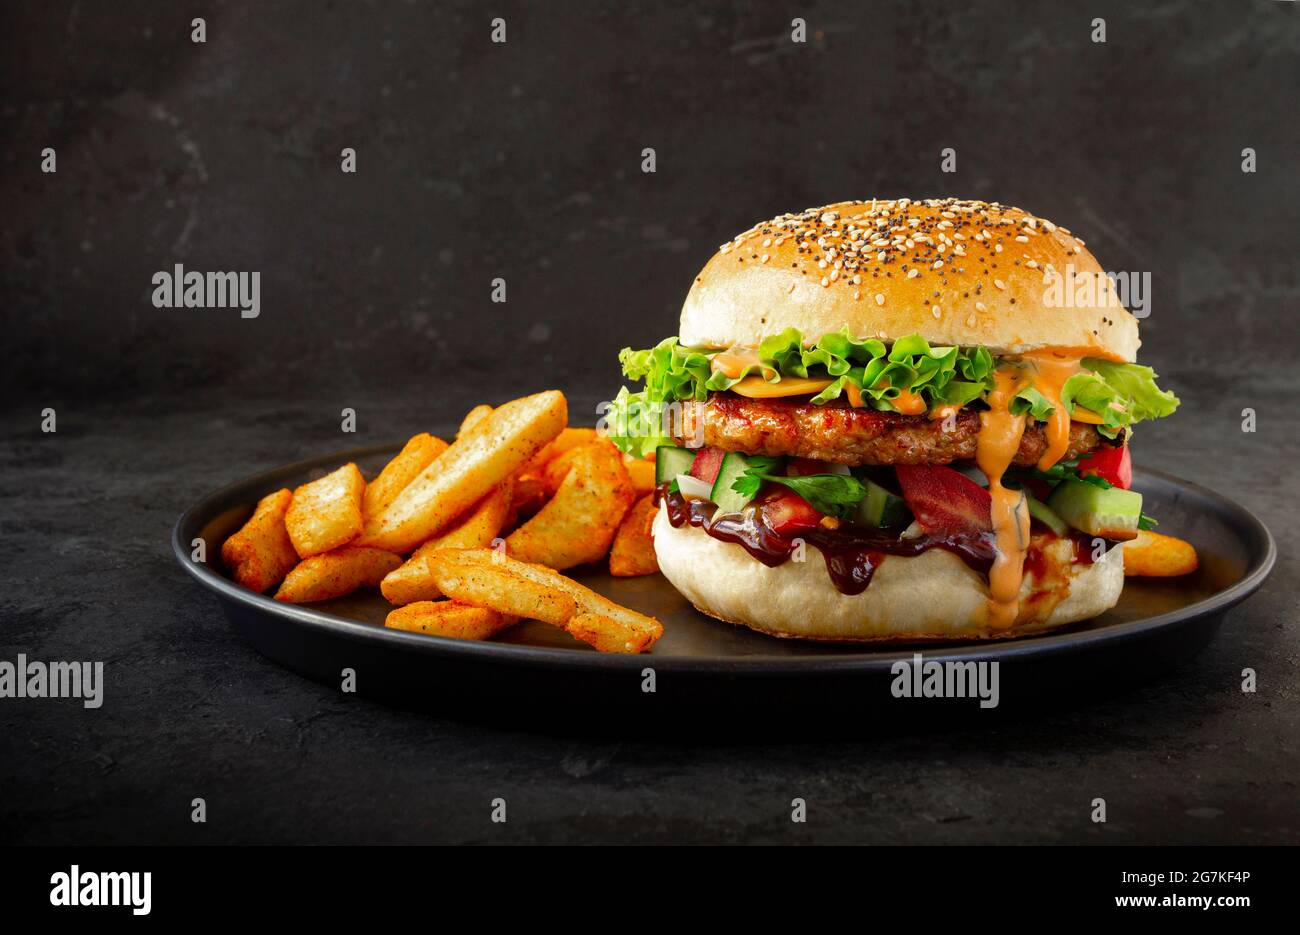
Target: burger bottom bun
(932,596)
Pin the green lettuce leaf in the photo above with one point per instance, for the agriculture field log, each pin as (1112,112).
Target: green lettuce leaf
(1120,394)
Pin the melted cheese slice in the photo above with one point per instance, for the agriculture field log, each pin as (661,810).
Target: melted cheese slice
(757,388)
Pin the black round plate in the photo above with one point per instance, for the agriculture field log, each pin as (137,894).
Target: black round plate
(710,672)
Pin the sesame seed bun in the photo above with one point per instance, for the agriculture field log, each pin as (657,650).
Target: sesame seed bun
(931,596)
(990,266)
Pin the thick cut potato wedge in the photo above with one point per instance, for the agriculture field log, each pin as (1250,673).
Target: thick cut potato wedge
(475,463)
(607,626)
(333,574)
(261,553)
(530,495)
(633,552)
(642,474)
(472,418)
(566,441)
(414,582)
(488,585)
(1152,555)
(578,524)
(326,513)
(450,619)
(417,455)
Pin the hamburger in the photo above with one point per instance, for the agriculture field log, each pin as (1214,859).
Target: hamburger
(895,420)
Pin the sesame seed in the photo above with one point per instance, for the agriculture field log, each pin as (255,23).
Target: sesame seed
(913,273)
(1032,264)
(937,264)
(765,257)
(979,306)
(999,283)
(1022,239)
(934,310)
(880,298)
(825,281)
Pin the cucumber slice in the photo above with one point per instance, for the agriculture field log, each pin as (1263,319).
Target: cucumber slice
(728,500)
(671,461)
(880,508)
(1044,514)
(1112,512)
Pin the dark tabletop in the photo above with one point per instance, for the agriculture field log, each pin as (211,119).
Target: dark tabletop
(523,160)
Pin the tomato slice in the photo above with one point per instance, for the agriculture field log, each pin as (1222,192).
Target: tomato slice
(788,514)
(706,464)
(1110,464)
(945,502)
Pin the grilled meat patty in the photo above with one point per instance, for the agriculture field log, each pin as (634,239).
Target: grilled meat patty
(838,433)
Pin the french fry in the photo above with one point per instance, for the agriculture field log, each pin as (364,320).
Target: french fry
(642,474)
(603,633)
(326,513)
(414,582)
(1155,556)
(567,440)
(474,464)
(608,626)
(417,455)
(472,418)
(260,554)
(578,524)
(633,552)
(333,574)
(450,619)
(529,495)
(558,468)
(488,585)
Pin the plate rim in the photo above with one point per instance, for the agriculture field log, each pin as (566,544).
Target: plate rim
(1048,644)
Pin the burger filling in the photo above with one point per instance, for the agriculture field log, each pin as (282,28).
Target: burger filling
(1017,465)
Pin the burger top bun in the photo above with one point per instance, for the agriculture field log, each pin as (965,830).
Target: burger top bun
(955,272)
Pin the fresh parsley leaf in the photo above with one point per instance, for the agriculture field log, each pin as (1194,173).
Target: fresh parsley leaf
(832,494)
(757,471)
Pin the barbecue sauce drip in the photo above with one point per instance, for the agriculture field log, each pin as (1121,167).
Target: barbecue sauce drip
(852,555)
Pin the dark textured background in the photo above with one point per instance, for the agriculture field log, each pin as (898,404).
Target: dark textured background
(523,161)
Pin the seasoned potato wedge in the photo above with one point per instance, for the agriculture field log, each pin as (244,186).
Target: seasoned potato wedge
(578,524)
(260,554)
(333,574)
(472,418)
(489,585)
(450,619)
(1156,556)
(417,455)
(567,440)
(607,626)
(326,513)
(633,552)
(642,474)
(474,464)
(414,582)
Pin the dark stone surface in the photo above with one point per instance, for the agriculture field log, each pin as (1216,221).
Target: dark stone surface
(522,161)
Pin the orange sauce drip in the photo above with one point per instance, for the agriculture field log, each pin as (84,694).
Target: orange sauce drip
(1052,369)
(909,403)
(995,448)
